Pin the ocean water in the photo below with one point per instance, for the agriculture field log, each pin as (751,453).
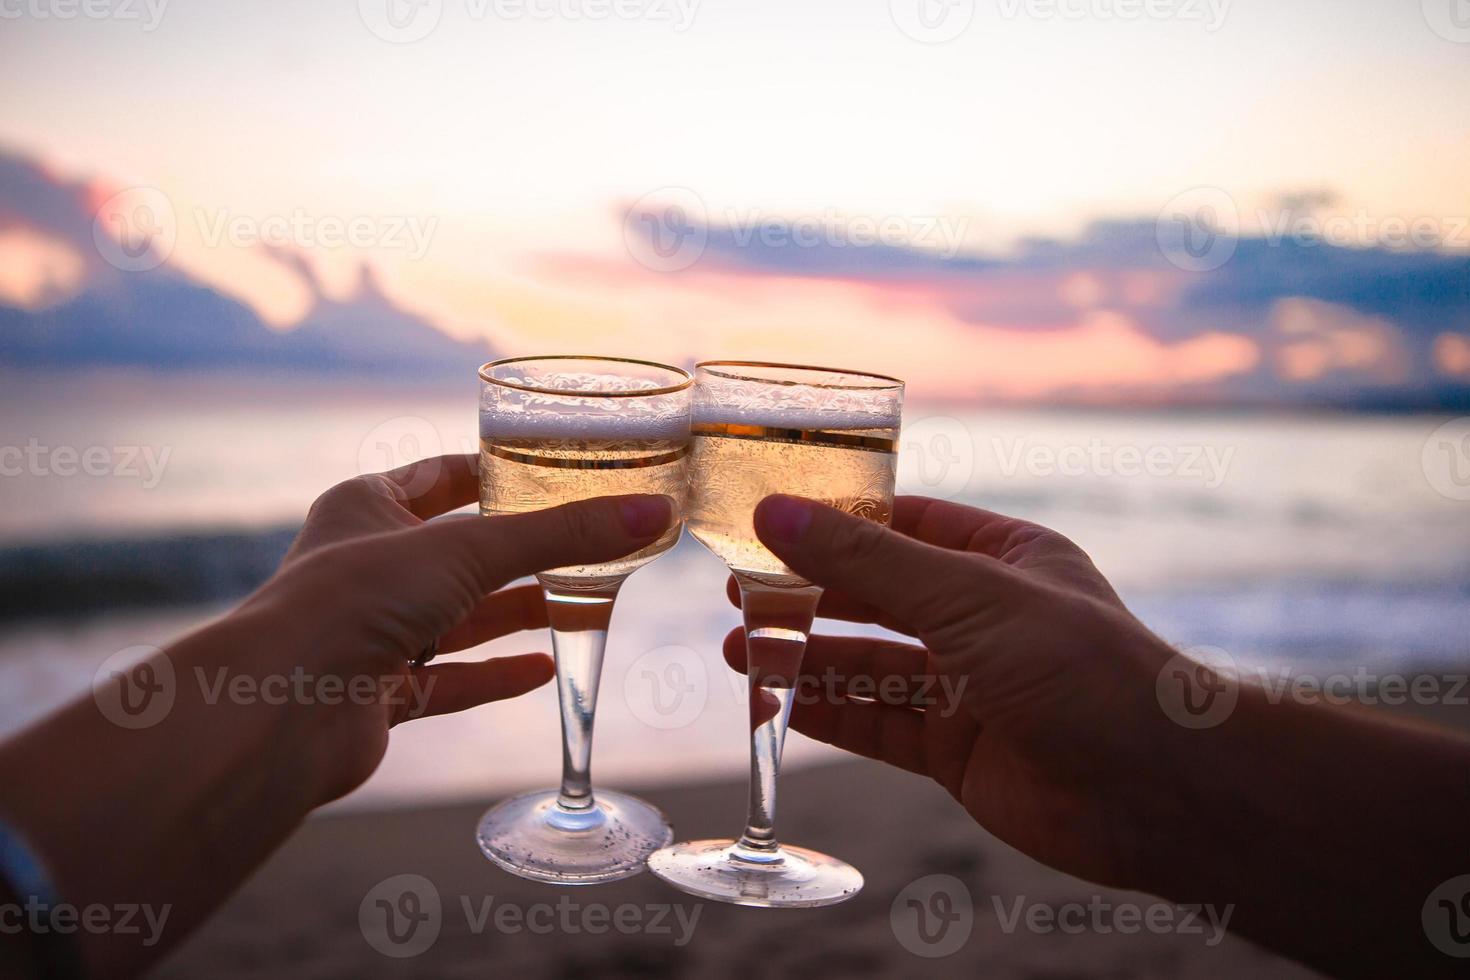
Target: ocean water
(1305,542)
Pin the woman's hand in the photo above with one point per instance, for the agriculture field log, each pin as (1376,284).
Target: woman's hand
(286,702)
(368,586)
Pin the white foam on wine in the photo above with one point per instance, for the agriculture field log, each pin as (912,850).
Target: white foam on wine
(601,425)
(786,418)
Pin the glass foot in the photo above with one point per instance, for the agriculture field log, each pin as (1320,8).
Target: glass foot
(531,836)
(793,877)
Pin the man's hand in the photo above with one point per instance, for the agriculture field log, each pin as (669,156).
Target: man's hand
(1047,727)
(1042,710)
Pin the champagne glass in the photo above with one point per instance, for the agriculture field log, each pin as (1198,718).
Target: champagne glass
(760,429)
(554,430)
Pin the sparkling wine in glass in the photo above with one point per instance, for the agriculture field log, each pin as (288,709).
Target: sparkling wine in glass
(554,430)
(761,429)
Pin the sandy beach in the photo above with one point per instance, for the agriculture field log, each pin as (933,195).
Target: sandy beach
(299,916)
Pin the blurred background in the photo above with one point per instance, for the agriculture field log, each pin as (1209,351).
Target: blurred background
(1188,281)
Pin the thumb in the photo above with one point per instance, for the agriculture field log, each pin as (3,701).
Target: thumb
(498,550)
(915,582)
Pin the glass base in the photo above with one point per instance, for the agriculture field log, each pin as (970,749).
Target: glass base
(791,878)
(531,836)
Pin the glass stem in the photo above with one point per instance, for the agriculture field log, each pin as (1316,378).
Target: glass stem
(777,621)
(579,621)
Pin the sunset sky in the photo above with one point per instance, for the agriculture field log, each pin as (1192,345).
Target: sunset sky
(515,144)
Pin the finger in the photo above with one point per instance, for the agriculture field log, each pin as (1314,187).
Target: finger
(912,581)
(429,487)
(876,731)
(442,689)
(852,666)
(498,614)
(1020,544)
(493,551)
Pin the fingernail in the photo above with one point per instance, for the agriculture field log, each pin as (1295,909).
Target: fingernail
(646,516)
(785,518)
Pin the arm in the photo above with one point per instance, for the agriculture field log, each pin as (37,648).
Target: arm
(1326,828)
(286,703)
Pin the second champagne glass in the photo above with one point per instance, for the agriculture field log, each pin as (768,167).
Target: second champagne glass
(554,430)
(760,429)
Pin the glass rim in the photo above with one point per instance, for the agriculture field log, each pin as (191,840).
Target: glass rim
(896,384)
(571,392)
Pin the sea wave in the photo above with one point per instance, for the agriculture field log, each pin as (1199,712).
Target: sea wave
(82,576)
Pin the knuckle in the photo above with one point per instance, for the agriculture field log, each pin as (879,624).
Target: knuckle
(1045,538)
(580,522)
(356,491)
(864,541)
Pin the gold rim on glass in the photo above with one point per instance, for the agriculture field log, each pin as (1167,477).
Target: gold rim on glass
(572,392)
(711,367)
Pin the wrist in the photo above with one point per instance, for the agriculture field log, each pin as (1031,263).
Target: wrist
(255,664)
(1176,765)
